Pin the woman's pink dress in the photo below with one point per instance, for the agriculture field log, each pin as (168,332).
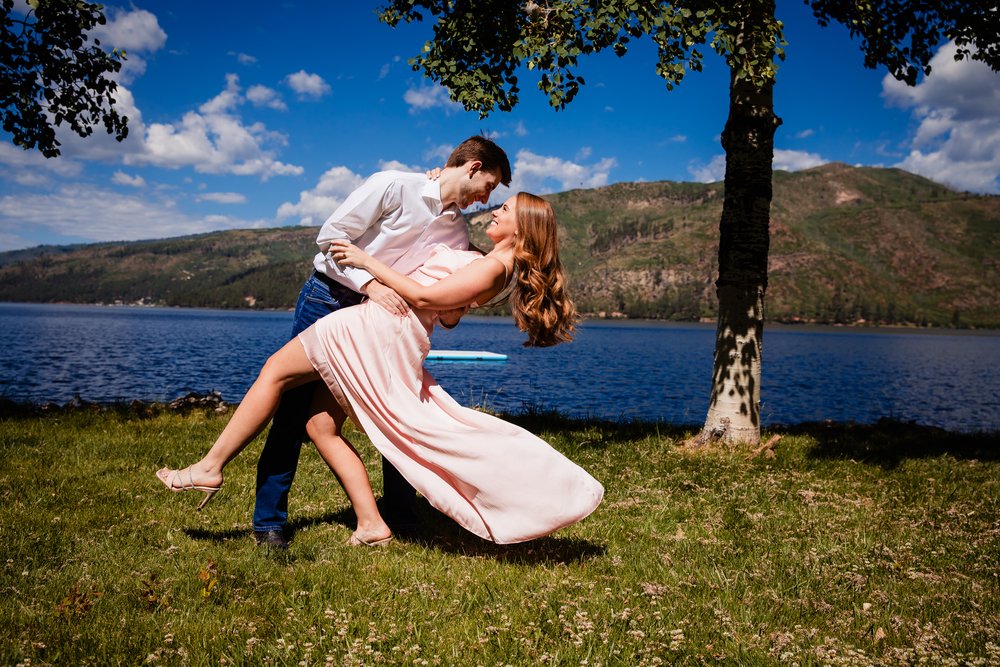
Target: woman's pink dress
(495,479)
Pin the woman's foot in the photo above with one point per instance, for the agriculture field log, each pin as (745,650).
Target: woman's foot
(377,539)
(184,480)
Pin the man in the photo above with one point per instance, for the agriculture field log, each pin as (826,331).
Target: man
(395,217)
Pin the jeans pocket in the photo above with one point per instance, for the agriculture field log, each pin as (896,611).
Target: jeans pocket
(322,300)
(320,294)
(314,302)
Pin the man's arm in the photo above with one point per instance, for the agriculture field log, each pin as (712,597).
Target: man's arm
(362,210)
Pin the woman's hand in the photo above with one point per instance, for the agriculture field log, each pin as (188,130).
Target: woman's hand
(348,254)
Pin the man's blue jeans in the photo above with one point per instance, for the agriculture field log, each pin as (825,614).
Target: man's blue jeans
(280,457)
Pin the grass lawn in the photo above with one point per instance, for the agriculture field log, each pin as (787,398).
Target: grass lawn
(852,546)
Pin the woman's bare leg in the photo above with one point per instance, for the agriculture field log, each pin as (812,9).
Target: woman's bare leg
(325,429)
(286,368)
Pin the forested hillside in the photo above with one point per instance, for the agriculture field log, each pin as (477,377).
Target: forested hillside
(848,245)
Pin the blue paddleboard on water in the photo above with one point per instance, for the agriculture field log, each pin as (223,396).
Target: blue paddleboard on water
(464,355)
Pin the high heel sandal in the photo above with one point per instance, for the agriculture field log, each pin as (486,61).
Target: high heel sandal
(168,477)
(356,541)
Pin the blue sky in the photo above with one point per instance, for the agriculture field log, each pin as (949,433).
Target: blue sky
(253,114)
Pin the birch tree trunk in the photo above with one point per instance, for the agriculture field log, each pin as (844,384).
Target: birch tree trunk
(748,139)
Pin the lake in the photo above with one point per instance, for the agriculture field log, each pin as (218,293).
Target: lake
(649,371)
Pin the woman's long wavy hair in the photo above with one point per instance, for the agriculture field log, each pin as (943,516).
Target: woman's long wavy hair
(538,298)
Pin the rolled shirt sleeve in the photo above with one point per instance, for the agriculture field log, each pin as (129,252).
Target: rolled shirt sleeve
(394,216)
(353,220)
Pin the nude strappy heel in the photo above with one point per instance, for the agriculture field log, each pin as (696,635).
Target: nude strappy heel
(356,541)
(171,478)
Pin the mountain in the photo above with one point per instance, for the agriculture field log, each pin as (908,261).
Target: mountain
(848,245)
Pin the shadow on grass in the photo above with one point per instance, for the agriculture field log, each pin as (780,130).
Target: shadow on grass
(543,551)
(437,531)
(887,443)
(598,433)
(344,517)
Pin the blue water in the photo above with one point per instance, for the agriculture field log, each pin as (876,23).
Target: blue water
(630,370)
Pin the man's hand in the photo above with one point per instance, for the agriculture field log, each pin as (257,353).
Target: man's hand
(386,297)
(433,174)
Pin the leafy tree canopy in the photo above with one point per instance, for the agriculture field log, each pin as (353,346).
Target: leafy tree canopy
(901,35)
(475,53)
(478,46)
(52,72)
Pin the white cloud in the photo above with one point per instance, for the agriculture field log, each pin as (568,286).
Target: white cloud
(227,100)
(542,174)
(440,152)
(30,179)
(213,140)
(712,172)
(262,96)
(223,197)
(957,108)
(316,205)
(520,130)
(308,86)
(121,178)
(31,169)
(243,58)
(795,160)
(786,160)
(805,134)
(93,214)
(387,67)
(136,31)
(101,145)
(15,242)
(430,96)
(396,165)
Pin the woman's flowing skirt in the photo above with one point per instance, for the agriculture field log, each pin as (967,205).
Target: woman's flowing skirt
(495,479)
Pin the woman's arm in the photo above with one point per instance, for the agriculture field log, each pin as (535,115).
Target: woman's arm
(475,282)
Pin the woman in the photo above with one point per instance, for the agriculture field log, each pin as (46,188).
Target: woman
(495,479)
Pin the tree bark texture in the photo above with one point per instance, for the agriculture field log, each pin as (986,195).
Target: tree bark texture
(748,139)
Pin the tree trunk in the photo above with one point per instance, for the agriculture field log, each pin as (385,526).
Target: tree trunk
(748,139)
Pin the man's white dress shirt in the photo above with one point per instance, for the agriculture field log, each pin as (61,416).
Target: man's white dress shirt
(396,217)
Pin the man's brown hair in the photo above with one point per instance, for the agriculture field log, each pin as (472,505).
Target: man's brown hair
(484,150)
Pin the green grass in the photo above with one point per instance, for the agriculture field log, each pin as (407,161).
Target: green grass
(853,546)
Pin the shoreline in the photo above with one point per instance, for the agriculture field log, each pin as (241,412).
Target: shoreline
(213,402)
(585,318)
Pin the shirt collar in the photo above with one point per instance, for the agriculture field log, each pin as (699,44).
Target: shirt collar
(431,192)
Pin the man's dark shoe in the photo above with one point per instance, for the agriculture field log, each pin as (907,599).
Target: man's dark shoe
(274,538)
